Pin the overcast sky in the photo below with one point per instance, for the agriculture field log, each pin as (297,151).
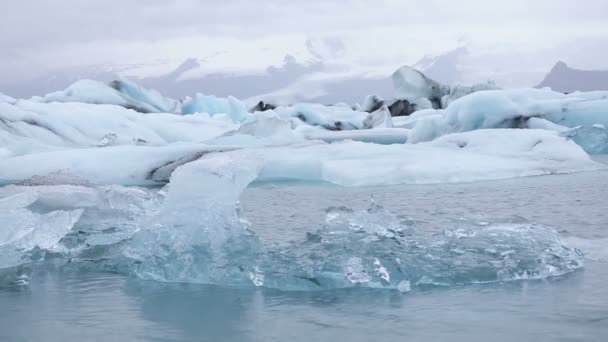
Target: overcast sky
(149,37)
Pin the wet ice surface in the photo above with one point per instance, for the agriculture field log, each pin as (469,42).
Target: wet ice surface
(63,304)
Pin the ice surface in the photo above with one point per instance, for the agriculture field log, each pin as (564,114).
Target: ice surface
(333,118)
(593,249)
(29,127)
(132,90)
(199,236)
(471,156)
(462,157)
(94,92)
(510,109)
(70,221)
(375,248)
(68,153)
(593,139)
(385,136)
(195,233)
(372,103)
(411,84)
(262,129)
(212,105)
(23,231)
(380,118)
(125,165)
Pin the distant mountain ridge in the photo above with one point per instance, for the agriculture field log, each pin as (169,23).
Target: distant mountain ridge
(565,79)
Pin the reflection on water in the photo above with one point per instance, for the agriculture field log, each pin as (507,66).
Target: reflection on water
(102,307)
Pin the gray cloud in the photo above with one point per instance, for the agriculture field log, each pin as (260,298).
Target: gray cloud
(40,37)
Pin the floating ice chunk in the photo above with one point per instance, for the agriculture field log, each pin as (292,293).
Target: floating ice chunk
(262,129)
(212,105)
(334,118)
(593,249)
(579,109)
(509,109)
(412,84)
(471,156)
(34,127)
(153,98)
(458,91)
(198,235)
(102,217)
(23,230)
(127,165)
(593,139)
(94,92)
(379,118)
(360,249)
(372,103)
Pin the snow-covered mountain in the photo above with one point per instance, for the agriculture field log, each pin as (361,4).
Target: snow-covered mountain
(565,79)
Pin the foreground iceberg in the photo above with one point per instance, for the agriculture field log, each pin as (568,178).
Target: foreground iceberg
(23,230)
(199,236)
(195,233)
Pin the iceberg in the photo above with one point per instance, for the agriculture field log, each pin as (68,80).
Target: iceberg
(133,91)
(212,105)
(333,118)
(199,236)
(426,93)
(462,157)
(372,103)
(126,165)
(23,231)
(120,93)
(262,129)
(594,139)
(411,84)
(195,232)
(29,127)
(510,109)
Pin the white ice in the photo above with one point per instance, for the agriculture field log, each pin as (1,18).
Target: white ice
(212,105)
(29,127)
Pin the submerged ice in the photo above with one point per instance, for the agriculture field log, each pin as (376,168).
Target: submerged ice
(194,232)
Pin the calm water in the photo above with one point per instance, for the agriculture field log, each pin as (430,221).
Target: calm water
(62,305)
